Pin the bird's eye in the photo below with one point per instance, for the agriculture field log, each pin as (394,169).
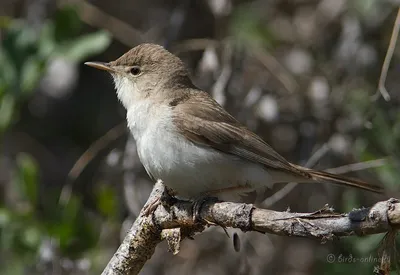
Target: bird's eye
(135,70)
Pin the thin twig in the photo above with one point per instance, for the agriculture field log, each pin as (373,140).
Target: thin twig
(275,69)
(120,30)
(357,166)
(94,149)
(219,87)
(281,193)
(386,63)
(194,45)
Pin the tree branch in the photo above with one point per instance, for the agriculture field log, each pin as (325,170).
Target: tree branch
(175,222)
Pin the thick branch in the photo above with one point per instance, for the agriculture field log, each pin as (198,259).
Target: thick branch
(324,224)
(139,243)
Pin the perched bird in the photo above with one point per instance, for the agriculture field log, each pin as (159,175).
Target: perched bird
(185,138)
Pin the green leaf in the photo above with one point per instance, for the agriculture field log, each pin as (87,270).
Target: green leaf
(46,43)
(106,200)
(366,8)
(396,127)
(71,209)
(247,26)
(67,23)
(389,175)
(86,45)
(28,177)
(31,73)
(349,200)
(7,105)
(382,132)
(5,22)
(5,217)
(8,72)
(26,38)
(61,223)
(31,237)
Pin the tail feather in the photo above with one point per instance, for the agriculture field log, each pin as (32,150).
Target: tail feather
(341,180)
(345,181)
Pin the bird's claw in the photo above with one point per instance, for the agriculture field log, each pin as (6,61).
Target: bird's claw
(151,207)
(166,200)
(198,204)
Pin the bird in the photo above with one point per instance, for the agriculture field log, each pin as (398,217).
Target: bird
(190,142)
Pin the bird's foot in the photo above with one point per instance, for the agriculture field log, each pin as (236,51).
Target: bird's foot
(197,206)
(151,207)
(167,199)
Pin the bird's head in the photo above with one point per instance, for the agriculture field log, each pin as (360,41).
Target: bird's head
(146,71)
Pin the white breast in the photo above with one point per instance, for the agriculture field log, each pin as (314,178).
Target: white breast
(188,169)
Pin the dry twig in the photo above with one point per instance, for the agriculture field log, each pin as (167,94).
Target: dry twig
(93,151)
(194,45)
(146,232)
(95,148)
(94,16)
(276,69)
(281,193)
(357,166)
(386,63)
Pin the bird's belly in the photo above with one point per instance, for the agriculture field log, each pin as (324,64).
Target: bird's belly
(192,170)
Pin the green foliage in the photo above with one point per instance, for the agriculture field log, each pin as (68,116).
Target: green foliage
(24,226)
(106,202)
(84,46)
(20,233)
(25,52)
(29,219)
(380,139)
(247,27)
(28,177)
(7,106)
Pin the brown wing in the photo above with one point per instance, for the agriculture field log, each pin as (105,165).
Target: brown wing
(203,121)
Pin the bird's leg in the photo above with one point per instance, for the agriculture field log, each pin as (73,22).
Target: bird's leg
(211,196)
(168,198)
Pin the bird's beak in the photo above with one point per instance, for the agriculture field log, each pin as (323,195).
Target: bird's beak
(100,65)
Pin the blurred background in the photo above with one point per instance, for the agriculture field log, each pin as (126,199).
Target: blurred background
(301,73)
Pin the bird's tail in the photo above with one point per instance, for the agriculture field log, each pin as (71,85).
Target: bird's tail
(337,179)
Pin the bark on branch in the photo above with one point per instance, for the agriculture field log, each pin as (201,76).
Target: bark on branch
(175,222)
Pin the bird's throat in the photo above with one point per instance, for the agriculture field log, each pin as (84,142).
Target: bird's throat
(127,91)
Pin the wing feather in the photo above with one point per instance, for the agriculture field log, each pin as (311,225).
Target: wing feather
(204,122)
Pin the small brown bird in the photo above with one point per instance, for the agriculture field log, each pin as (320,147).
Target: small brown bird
(186,139)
